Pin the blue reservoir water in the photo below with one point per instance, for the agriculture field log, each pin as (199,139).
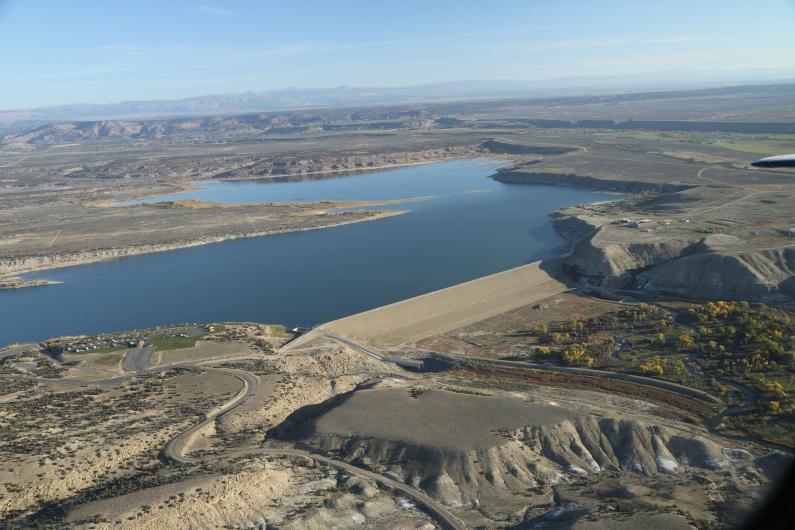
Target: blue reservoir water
(472,226)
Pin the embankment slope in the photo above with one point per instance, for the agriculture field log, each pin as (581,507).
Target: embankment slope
(439,311)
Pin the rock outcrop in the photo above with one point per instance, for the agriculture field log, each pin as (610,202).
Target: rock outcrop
(718,266)
(541,455)
(571,180)
(765,275)
(513,148)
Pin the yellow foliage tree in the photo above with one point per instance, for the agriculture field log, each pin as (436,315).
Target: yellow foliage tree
(777,389)
(653,366)
(574,353)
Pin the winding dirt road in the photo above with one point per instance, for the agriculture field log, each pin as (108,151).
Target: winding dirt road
(175,451)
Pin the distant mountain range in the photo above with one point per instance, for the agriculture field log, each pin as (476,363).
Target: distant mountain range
(288,98)
(295,98)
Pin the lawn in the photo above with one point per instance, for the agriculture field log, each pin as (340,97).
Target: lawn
(176,342)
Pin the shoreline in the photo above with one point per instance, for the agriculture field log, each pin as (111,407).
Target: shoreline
(44,262)
(287,177)
(15,282)
(186,186)
(49,262)
(515,175)
(96,256)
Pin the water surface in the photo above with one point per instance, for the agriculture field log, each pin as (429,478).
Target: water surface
(472,226)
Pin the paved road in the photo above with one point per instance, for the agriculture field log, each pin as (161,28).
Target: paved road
(441,514)
(356,346)
(138,359)
(398,360)
(175,450)
(649,381)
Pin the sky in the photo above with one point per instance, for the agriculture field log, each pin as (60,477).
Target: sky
(58,52)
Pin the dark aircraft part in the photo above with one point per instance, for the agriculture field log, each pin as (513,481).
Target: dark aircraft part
(776,161)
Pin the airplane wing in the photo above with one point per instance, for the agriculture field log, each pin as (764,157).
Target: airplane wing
(776,161)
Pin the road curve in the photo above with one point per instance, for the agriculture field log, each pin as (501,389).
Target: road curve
(174,450)
(441,514)
(356,346)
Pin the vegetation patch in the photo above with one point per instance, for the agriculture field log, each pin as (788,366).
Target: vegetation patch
(175,342)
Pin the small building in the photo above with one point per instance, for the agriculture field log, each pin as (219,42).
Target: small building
(643,224)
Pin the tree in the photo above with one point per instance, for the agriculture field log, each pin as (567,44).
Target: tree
(540,330)
(574,353)
(686,340)
(653,366)
(777,389)
(542,351)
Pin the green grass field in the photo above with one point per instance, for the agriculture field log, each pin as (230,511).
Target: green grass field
(175,343)
(165,342)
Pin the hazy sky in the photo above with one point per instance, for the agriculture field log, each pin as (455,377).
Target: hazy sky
(56,52)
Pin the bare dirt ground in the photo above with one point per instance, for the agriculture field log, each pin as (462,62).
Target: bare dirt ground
(513,332)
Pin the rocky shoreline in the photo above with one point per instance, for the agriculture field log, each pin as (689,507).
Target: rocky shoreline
(15,282)
(515,175)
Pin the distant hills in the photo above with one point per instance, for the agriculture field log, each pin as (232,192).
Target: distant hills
(302,98)
(223,117)
(288,98)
